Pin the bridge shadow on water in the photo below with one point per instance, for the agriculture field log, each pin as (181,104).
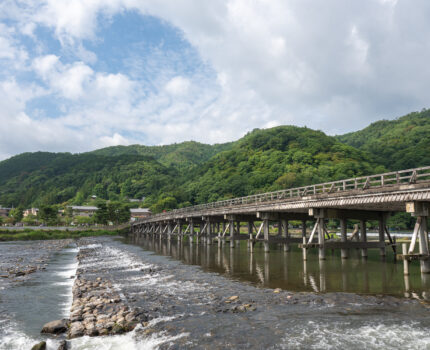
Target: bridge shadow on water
(287,270)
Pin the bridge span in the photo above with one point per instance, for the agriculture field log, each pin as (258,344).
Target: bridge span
(267,216)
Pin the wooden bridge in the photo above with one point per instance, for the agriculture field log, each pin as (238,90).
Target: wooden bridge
(368,198)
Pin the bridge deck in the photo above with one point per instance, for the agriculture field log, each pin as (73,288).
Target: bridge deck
(382,192)
(363,198)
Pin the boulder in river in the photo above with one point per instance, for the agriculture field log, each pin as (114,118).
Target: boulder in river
(76,330)
(39,346)
(55,327)
(63,345)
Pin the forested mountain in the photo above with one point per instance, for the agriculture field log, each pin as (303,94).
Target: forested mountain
(277,158)
(26,163)
(75,177)
(398,144)
(190,172)
(181,155)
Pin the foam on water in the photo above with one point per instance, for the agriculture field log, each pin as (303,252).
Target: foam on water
(336,335)
(12,338)
(15,333)
(128,341)
(123,260)
(66,272)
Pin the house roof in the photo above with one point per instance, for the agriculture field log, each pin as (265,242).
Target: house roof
(139,210)
(82,207)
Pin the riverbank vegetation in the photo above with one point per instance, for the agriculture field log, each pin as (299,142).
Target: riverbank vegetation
(32,235)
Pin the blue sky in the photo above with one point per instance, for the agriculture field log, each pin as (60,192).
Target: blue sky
(78,75)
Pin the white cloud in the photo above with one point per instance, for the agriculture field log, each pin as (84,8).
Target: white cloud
(68,80)
(333,65)
(114,140)
(11,52)
(178,86)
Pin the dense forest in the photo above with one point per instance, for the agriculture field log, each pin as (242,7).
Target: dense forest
(191,173)
(401,143)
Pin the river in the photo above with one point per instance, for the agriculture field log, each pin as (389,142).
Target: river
(203,297)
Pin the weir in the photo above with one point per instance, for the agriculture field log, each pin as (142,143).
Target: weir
(264,218)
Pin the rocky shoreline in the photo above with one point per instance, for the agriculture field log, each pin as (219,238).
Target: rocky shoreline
(17,267)
(97,308)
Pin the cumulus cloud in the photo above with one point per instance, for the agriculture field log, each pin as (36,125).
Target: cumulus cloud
(331,65)
(178,86)
(114,140)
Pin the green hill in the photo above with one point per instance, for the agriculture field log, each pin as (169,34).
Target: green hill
(180,155)
(75,177)
(190,172)
(281,157)
(397,144)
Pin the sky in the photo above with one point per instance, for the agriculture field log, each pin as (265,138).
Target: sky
(78,75)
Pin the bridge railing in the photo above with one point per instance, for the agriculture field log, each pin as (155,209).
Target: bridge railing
(409,176)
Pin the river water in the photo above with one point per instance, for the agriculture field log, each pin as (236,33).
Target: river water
(186,290)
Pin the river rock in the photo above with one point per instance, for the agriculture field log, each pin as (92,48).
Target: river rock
(76,330)
(117,329)
(40,346)
(55,327)
(104,331)
(130,317)
(63,345)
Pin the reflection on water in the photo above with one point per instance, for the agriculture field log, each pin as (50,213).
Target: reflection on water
(288,270)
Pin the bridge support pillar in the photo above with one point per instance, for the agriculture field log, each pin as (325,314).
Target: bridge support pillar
(319,214)
(209,233)
(321,250)
(424,245)
(180,231)
(219,233)
(343,237)
(363,237)
(266,235)
(285,234)
(304,228)
(381,230)
(224,228)
(420,210)
(203,234)
(231,227)
(238,232)
(192,233)
(169,231)
(250,241)
(304,249)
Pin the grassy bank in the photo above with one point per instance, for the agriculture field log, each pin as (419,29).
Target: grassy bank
(32,235)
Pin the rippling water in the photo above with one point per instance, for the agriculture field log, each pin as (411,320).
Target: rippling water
(185,290)
(39,298)
(287,270)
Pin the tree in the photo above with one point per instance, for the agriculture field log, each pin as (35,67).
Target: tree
(30,220)
(101,216)
(84,220)
(79,199)
(126,188)
(165,203)
(118,212)
(16,214)
(48,214)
